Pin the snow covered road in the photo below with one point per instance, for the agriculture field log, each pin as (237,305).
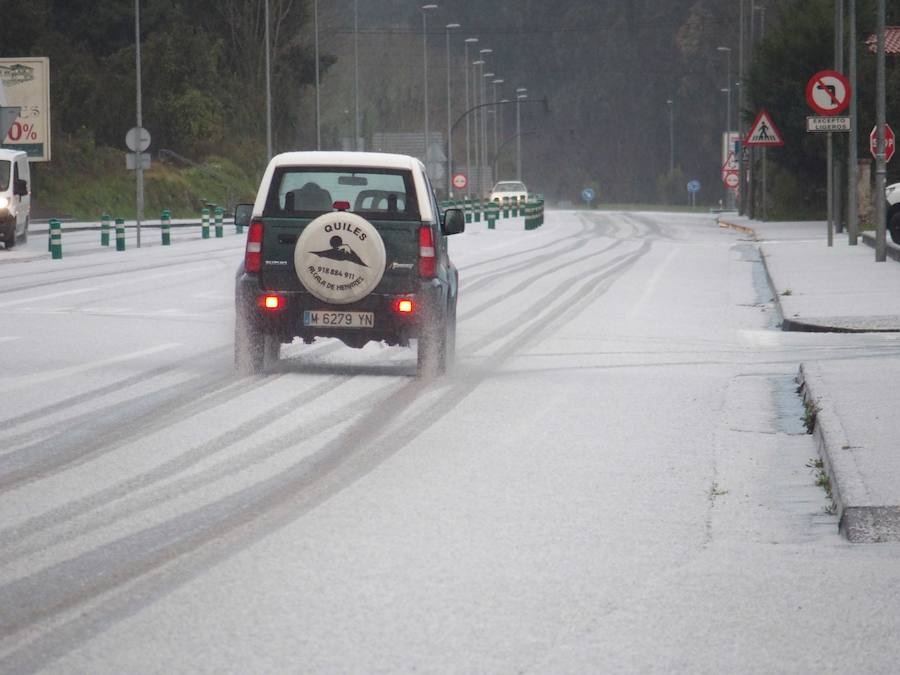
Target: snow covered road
(613,479)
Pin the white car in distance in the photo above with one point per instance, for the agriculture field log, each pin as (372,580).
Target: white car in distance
(514,189)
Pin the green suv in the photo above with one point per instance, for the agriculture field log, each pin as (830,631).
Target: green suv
(346,245)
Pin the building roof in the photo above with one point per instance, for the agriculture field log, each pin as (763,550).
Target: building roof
(891,40)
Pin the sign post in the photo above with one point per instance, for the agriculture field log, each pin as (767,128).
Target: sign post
(693,187)
(828,93)
(763,133)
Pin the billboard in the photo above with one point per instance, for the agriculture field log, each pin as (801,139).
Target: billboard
(26,84)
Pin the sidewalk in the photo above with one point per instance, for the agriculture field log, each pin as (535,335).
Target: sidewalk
(842,289)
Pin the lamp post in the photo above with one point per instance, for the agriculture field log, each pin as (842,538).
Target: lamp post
(482,117)
(268,88)
(425,10)
(484,126)
(466,44)
(318,107)
(356,72)
(477,67)
(727,91)
(449,27)
(139,171)
(671,105)
(521,93)
(497,109)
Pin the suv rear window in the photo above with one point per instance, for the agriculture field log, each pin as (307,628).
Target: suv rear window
(372,193)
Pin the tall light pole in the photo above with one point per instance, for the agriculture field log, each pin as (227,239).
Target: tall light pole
(482,118)
(671,105)
(497,108)
(356,71)
(521,94)
(449,27)
(727,91)
(466,44)
(852,159)
(139,172)
(318,107)
(268,87)
(880,113)
(477,67)
(425,10)
(484,126)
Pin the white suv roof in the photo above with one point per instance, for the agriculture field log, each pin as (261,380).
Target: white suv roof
(367,160)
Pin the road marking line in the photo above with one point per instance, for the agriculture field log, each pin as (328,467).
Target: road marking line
(650,286)
(9,383)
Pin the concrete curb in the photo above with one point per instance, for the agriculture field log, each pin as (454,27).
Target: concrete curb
(892,251)
(859,520)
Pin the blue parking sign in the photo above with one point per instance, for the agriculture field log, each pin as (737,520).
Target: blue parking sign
(588,195)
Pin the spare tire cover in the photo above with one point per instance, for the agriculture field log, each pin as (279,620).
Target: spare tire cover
(339,257)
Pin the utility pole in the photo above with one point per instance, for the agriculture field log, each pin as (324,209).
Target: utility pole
(852,158)
(139,171)
(269,88)
(839,67)
(740,160)
(880,165)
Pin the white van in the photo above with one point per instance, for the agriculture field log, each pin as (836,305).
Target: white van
(15,197)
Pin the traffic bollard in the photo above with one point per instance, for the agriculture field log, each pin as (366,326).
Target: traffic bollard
(506,207)
(120,234)
(104,229)
(204,223)
(220,212)
(55,239)
(467,202)
(166,227)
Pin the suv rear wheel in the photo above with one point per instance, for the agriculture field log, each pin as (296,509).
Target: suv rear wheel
(254,351)
(894,226)
(436,348)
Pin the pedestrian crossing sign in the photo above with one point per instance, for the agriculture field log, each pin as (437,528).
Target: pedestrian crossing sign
(764,132)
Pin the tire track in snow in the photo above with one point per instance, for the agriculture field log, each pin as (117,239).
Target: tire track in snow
(137,565)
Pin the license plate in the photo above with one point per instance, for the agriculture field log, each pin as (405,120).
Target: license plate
(339,319)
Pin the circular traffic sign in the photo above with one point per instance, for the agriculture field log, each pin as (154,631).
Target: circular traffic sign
(828,92)
(588,195)
(731,179)
(137,139)
(460,181)
(693,186)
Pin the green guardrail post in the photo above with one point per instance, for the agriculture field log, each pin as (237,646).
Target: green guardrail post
(529,215)
(104,229)
(204,223)
(476,206)
(220,212)
(238,228)
(55,239)
(492,212)
(540,212)
(165,226)
(120,234)
(506,207)
(467,205)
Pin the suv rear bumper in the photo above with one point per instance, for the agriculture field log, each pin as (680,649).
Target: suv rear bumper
(391,326)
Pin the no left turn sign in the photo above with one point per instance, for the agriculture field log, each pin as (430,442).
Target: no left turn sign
(828,92)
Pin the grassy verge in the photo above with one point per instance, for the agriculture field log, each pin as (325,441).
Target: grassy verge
(84,181)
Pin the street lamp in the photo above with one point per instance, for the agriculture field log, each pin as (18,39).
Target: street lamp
(521,94)
(671,104)
(482,129)
(449,27)
(727,51)
(318,107)
(497,109)
(466,43)
(356,71)
(477,68)
(484,125)
(425,10)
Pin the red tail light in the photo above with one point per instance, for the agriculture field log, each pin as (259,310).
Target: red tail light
(271,302)
(427,260)
(404,306)
(253,253)
(341,206)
